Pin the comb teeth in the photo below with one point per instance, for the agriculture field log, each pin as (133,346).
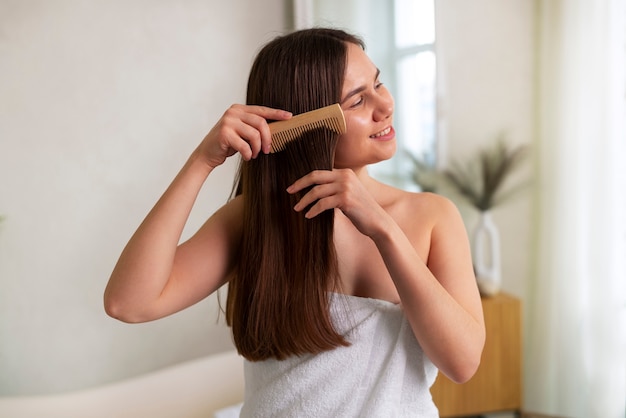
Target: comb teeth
(282,138)
(329,117)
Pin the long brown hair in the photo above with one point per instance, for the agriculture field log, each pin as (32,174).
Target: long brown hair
(278,302)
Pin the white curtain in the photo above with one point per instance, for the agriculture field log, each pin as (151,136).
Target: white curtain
(576,329)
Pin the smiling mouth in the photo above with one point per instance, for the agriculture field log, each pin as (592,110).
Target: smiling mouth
(381,133)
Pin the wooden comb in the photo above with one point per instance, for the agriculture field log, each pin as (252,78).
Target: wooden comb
(285,131)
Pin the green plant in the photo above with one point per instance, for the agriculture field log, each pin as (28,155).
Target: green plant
(481,179)
(424,174)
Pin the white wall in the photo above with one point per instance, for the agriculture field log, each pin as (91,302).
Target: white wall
(486,53)
(100,104)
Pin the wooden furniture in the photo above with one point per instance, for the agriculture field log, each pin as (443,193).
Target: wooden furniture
(497,385)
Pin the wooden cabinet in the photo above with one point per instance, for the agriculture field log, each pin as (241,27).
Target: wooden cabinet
(497,385)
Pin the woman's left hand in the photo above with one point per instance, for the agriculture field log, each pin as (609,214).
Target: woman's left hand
(341,189)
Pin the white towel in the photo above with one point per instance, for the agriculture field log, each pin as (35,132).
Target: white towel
(384,373)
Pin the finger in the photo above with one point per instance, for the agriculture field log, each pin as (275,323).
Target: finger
(269,113)
(311,179)
(242,147)
(260,122)
(315,194)
(266,138)
(252,136)
(250,128)
(322,205)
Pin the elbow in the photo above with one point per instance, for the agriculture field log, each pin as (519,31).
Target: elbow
(117,310)
(462,373)
(466,365)
(114,311)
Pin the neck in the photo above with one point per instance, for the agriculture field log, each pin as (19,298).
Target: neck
(371,184)
(362,173)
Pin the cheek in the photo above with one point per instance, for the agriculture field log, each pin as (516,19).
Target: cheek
(350,143)
(356,124)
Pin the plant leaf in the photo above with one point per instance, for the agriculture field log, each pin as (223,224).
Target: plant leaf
(480,181)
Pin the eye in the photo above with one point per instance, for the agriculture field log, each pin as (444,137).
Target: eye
(378,84)
(357,102)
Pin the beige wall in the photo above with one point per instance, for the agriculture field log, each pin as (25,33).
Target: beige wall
(486,56)
(100,104)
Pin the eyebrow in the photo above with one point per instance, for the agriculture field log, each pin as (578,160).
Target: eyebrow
(359,89)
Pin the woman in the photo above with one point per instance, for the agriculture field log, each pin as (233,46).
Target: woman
(345,294)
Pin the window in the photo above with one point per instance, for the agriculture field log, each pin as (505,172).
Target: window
(400,38)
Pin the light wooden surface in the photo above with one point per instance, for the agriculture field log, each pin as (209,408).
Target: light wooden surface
(497,385)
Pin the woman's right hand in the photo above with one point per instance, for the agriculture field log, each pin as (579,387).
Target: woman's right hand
(243,129)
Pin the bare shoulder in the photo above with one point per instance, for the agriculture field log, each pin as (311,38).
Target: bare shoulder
(234,206)
(429,202)
(227,221)
(426,207)
(231,213)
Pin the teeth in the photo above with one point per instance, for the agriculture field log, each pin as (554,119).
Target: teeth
(382,133)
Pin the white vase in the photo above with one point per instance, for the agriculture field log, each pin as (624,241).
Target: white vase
(486,255)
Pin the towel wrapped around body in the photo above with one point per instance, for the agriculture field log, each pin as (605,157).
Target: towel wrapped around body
(383,373)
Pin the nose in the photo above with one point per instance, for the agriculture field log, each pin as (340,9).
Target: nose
(384,106)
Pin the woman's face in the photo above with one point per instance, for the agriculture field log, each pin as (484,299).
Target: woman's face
(368,110)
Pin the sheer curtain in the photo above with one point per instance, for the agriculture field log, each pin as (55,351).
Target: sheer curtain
(576,329)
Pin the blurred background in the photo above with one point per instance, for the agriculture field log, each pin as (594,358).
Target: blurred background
(101,102)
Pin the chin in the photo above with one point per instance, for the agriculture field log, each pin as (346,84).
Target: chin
(380,158)
(381,151)
(388,150)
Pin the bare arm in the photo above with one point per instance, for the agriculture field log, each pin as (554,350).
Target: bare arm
(440,299)
(439,295)
(155,276)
